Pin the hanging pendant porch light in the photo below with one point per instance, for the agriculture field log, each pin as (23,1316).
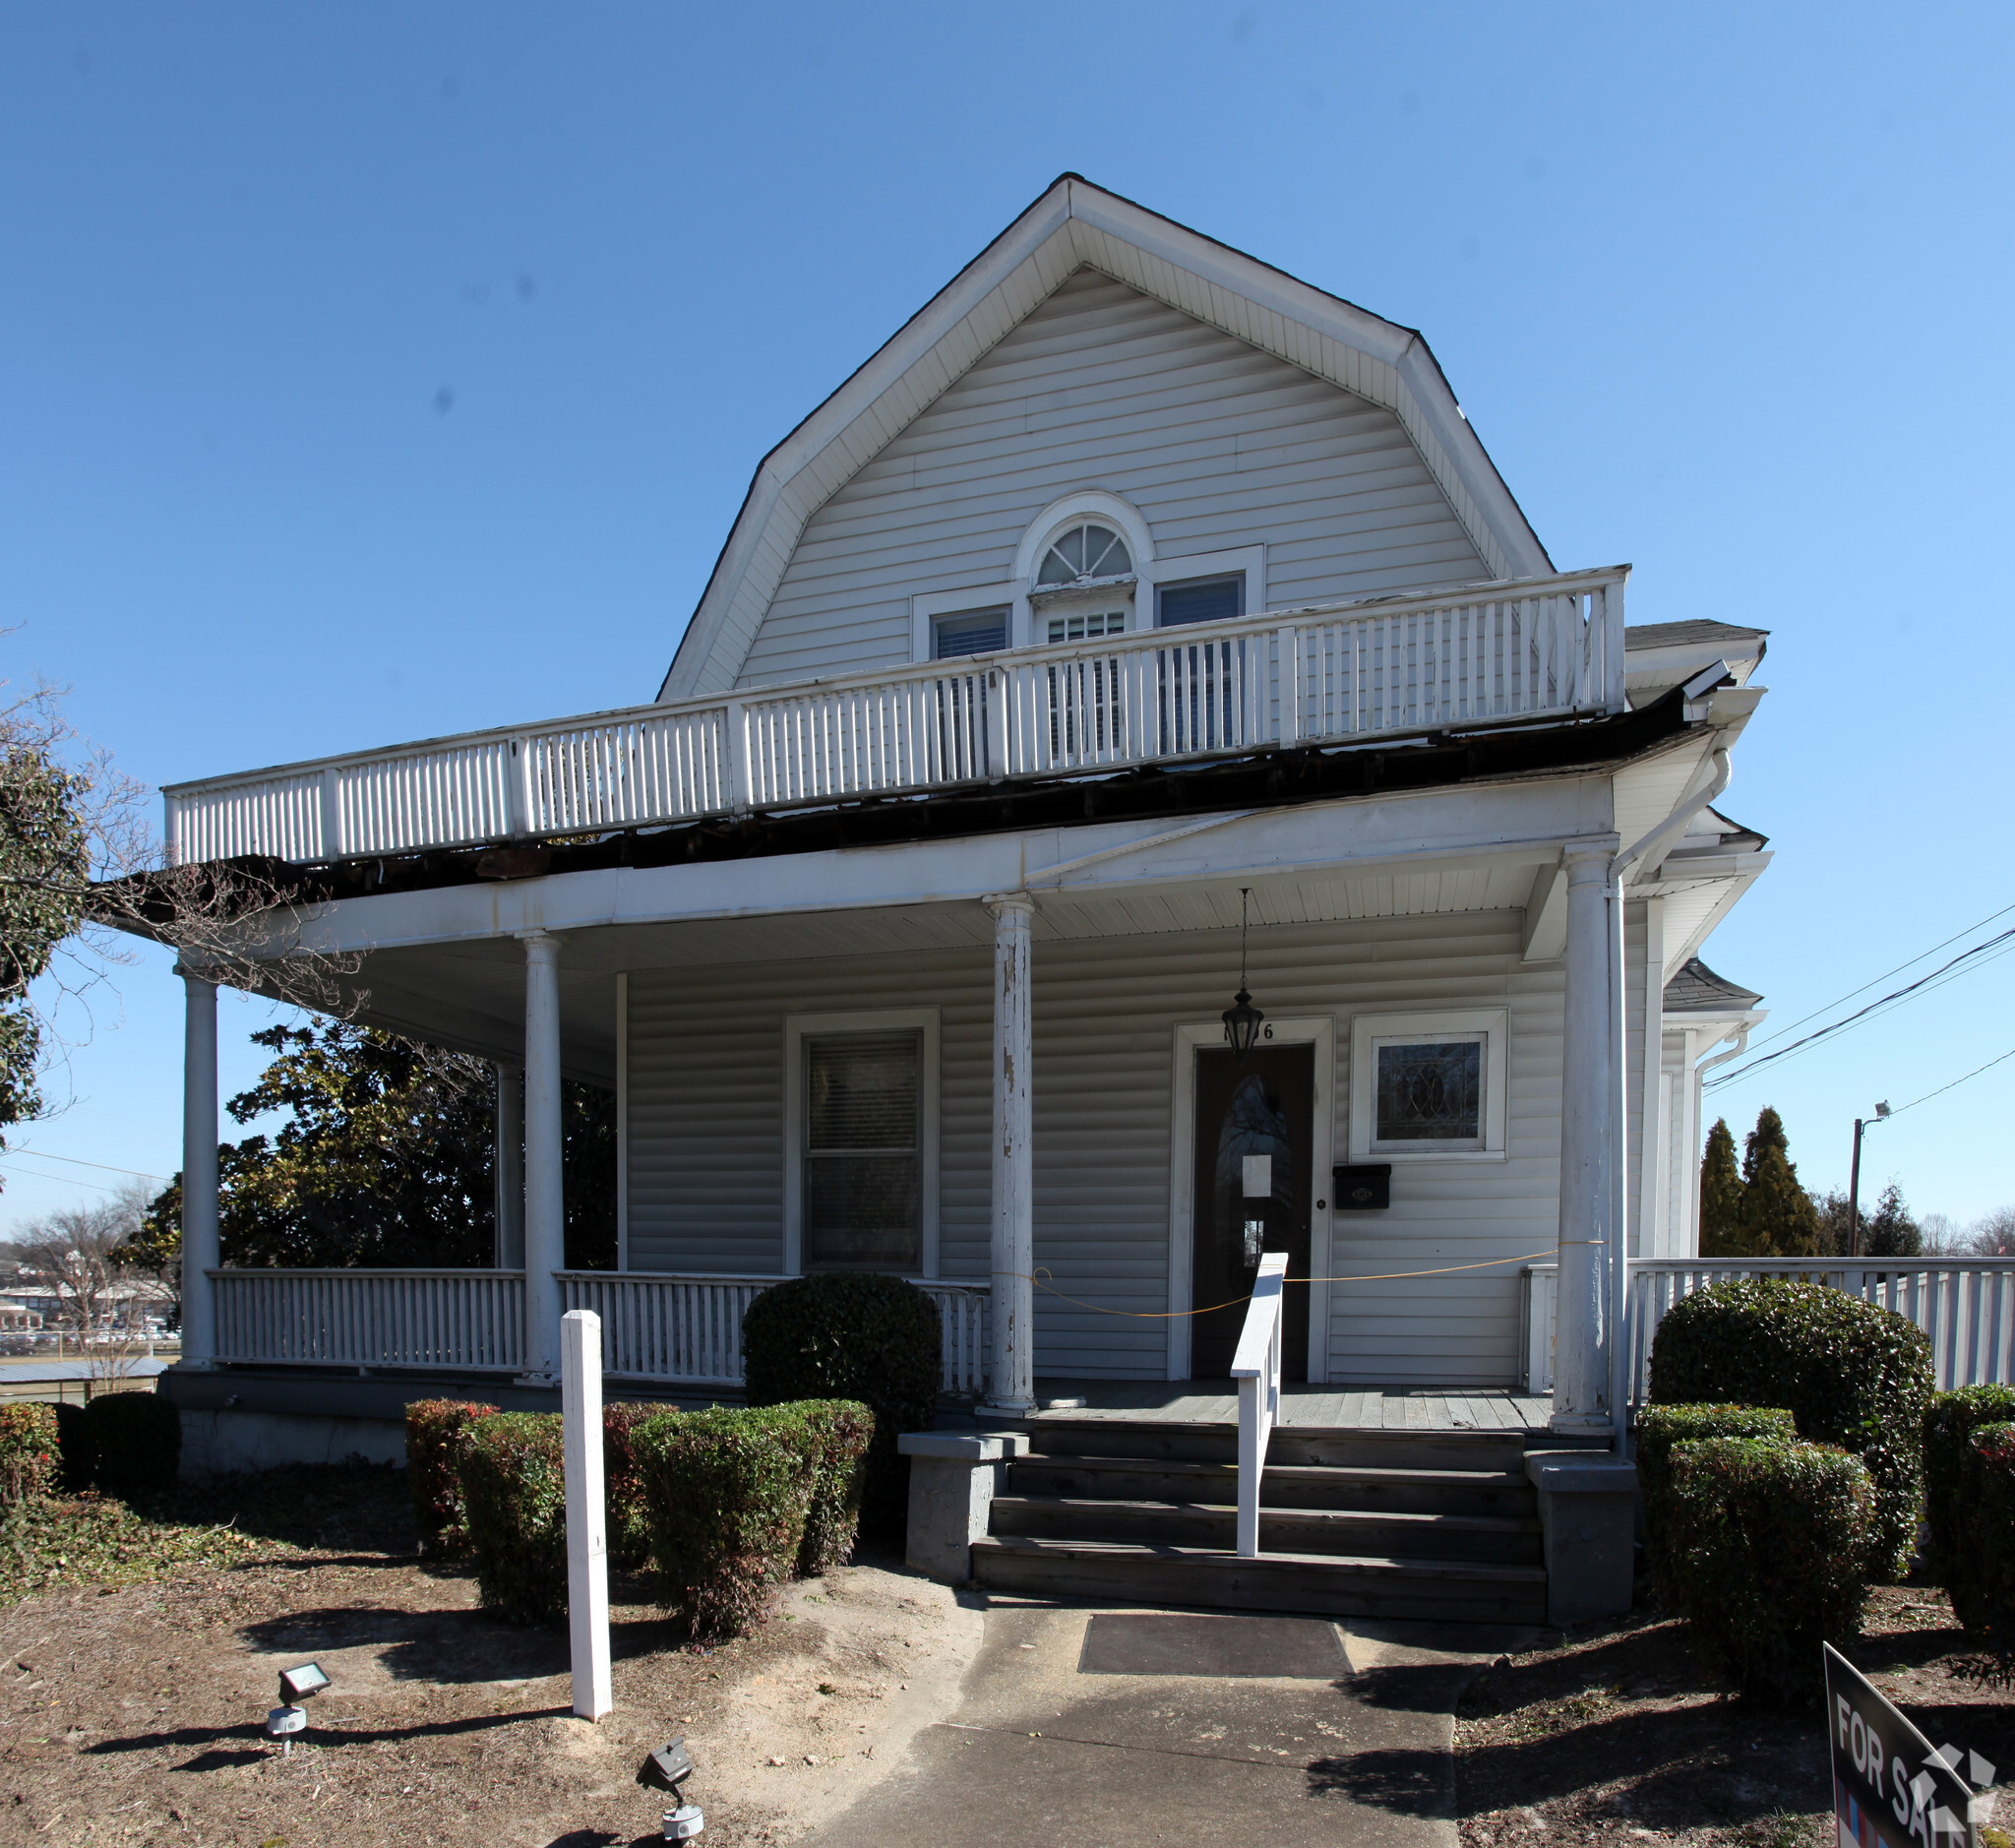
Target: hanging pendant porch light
(1242,1020)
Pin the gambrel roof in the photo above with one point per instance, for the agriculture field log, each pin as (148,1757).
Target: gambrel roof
(1074,225)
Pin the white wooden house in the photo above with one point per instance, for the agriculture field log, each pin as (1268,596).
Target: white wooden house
(1131,589)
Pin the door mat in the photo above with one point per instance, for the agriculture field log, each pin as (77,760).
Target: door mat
(1298,1648)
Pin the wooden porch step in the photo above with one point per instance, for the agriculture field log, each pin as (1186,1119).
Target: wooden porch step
(1343,1446)
(1121,1478)
(1345,1532)
(1313,1583)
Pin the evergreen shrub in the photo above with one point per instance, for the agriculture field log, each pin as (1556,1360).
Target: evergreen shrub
(1658,1428)
(730,1494)
(513,1472)
(136,1443)
(28,1452)
(1768,1546)
(1983,1586)
(629,1521)
(1850,1373)
(850,1335)
(841,1431)
(1950,1422)
(79,1464)
(434,1433)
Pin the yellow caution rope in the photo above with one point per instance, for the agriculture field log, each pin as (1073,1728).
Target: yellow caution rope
(1170,1314)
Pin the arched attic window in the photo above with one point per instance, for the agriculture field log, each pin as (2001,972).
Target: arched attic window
(1082,551)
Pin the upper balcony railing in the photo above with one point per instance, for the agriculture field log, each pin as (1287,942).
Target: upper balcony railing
(1522,649)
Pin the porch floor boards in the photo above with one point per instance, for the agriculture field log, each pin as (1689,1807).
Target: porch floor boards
(1363,1409)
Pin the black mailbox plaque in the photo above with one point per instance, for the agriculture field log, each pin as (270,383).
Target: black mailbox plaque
(1363,1188)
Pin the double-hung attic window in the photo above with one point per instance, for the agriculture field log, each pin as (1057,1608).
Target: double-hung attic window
(863,1154)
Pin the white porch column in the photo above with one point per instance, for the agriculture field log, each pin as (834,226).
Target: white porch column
(1012,1389)
(199,1170)
(509,1165)
(545,1205)
(1588,1102)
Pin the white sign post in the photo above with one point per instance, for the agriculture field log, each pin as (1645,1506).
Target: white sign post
(588,1520)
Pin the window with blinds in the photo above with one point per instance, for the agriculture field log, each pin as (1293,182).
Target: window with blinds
(864,1152)
(1202,601)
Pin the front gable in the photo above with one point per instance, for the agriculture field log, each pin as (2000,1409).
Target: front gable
(1097,347)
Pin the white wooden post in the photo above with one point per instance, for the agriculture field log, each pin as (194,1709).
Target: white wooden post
(1012,1389)
(587,1519)
(509,1164)
(545,1205)
(1587,1102)
(199,1170)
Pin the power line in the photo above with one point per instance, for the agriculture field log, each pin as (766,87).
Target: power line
(1943,1088)
(2005,941)
(38,1174)
(1842,1001)
(43,1154)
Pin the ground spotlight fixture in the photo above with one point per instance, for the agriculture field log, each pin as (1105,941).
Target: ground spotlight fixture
(668,1769)
(290,1717)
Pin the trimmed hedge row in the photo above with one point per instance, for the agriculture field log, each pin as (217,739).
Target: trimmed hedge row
(854,1335)
(731,1503)
(1767,1542)
(742,1499)
(1983,1585)
(1659,1430)
(434,1433)
(29,1456)
(512,1469)
(1852,1374)
(1949,1424)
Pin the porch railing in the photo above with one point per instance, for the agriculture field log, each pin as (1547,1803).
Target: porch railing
(437,1321)
(1256,1365)
(1522,649)
(1965,1305)
(682,1330)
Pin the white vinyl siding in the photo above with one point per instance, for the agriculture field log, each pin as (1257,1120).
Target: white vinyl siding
(1218,443)
(707,1125)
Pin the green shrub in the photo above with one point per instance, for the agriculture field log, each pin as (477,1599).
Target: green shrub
(841,1432)
(136,1443)
(1852,1374)
(513,1473)
(728,1493)
(1658,1428)
(80,1463)
(1983,1586)
(1952,1419)
(629,1522)
(433,1432)
(28,1454)
(851,1335)
(1768,1543)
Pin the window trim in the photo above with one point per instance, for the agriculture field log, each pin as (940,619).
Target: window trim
(1005,610)
(797,1028)
(1247,562)
(1367,1030)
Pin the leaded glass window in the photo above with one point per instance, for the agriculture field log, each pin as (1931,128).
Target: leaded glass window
(1085,550)
(864,1152)
(1430,1093)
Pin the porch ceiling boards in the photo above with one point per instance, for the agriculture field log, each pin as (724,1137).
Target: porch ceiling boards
(471,993)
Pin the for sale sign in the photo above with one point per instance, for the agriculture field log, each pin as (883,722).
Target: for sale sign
(1890,1788)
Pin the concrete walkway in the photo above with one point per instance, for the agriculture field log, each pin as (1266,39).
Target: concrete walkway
(1107,1729)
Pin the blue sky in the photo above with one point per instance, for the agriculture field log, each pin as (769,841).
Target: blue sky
(376,372)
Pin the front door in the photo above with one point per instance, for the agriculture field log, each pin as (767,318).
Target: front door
(1252,1169)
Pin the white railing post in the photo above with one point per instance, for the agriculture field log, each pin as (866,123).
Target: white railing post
(741,789)
(1256,1365)
(1288,650)
(588,1529)
(332,812)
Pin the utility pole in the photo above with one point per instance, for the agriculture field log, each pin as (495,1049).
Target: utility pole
(1854,1184)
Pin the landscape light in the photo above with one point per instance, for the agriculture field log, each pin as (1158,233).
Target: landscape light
(668,1769)
(290,1717)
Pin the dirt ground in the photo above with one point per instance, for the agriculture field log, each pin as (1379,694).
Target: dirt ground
(136,1713)
(1621,1735)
